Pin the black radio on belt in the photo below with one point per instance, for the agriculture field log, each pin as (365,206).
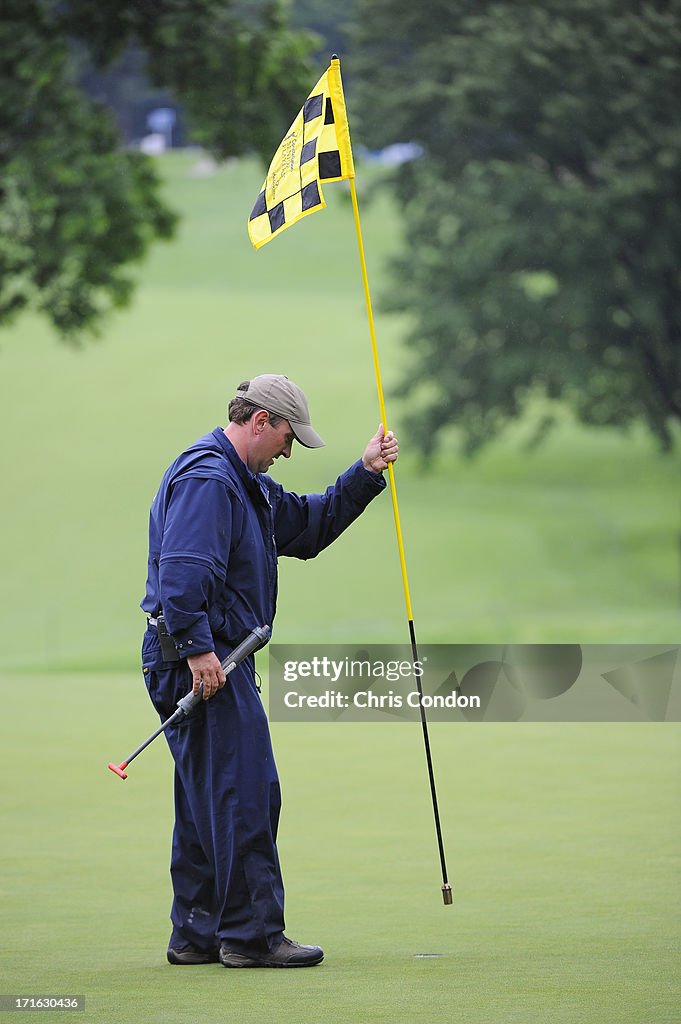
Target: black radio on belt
(168,648)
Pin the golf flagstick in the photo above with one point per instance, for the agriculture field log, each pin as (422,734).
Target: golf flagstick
(317,149)
(446,887)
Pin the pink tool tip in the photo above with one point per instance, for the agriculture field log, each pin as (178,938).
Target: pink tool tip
(118,768)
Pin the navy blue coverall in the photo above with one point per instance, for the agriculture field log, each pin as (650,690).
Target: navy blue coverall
(215,532)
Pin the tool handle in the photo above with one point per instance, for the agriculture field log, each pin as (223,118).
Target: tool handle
(257,638)
(190,700)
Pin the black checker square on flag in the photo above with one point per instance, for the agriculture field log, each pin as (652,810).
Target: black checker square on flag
(330,164)
(310,196)
(276,216)
(308,151)
(328,114)
(260,206)
(313,107)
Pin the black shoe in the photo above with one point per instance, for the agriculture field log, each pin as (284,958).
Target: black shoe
(287,954)
(186,955)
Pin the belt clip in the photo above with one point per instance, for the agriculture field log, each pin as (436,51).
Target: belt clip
(168,648)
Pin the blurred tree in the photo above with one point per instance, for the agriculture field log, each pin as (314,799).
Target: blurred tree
(542,225)
(123,87)
(75,209)
(330,22)
(235,65)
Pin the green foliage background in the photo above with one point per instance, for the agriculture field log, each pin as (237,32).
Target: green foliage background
(76,208)
(542,220)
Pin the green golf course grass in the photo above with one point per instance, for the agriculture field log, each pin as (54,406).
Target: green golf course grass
(562,840)
(562,843)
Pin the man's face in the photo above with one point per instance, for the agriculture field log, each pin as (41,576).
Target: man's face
(270,444)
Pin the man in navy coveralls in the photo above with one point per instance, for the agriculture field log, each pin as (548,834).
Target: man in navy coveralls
(217,526)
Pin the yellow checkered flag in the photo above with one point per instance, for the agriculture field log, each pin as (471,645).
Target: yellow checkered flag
(316,148)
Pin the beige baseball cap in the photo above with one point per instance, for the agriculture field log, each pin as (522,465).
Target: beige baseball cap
(275,393)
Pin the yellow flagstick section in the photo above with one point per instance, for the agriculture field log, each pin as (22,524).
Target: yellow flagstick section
(381,399)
